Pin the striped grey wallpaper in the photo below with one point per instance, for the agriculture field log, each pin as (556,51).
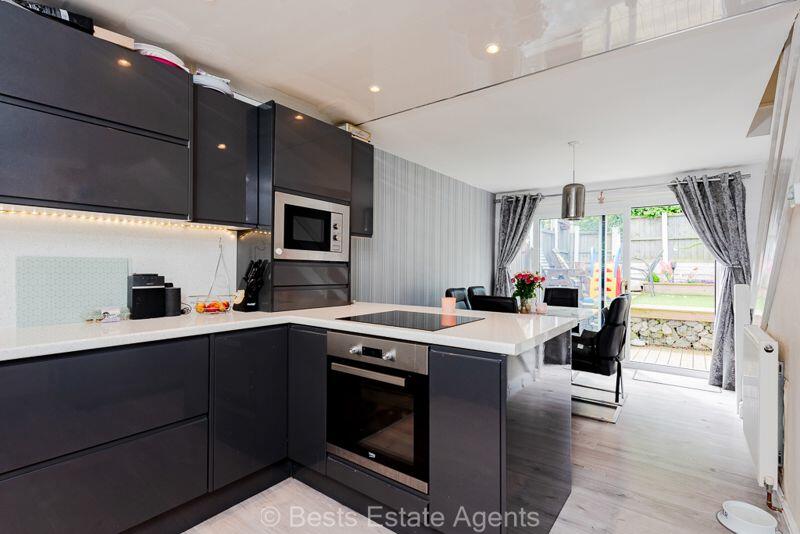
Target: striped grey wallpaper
(431,232)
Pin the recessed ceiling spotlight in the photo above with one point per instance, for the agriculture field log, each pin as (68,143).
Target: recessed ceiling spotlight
(298,117)
(123,62)
(492,48)
(222,146)
(374,89)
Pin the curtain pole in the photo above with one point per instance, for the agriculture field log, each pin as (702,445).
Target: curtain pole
(646,186)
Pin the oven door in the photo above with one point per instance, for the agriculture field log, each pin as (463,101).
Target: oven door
(378,419)
(310,229)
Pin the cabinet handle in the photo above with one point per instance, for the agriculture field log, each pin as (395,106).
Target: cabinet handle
(370,375)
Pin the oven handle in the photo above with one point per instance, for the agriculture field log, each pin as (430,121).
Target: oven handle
(371,375)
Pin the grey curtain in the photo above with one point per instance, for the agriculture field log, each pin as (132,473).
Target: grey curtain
(715,209)
(516,216)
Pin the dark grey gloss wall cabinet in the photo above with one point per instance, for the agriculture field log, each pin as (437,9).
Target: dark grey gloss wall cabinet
(226,159)
(308,155)
(49,63)
(307,396)
(249,402)
(50,160)
(87,124)
(363,173)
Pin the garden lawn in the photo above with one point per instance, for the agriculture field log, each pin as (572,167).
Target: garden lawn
(645,299)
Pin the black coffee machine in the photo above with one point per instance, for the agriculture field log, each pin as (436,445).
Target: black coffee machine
(149,297)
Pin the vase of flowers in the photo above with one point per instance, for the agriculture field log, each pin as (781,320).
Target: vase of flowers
(526,288)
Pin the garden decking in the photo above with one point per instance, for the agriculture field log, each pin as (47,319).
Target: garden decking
(695,360)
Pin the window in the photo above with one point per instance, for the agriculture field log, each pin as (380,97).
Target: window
(585,254)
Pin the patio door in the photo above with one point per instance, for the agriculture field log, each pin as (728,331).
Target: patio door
(586,254)
(673,285)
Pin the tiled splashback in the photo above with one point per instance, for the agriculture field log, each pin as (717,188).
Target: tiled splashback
(186,257)
(55,290)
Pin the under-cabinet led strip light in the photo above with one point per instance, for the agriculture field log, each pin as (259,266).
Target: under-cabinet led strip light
(121,220)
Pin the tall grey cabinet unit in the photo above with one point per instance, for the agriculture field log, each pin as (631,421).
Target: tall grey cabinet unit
(249,395)
(86,124)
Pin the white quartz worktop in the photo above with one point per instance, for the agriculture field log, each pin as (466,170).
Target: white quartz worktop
(503,333)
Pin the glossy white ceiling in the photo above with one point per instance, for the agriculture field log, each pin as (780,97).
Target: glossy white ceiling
(673,102)
(329,52)
(672,105)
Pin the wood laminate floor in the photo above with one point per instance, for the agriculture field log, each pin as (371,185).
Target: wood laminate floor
(666,466)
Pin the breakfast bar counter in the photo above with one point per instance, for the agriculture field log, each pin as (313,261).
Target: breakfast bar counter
(500,333)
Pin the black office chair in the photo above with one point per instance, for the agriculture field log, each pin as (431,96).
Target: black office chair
(460,293)
(603,351)
(473,291)
(495,304)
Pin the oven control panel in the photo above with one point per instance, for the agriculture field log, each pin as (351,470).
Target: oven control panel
(337,222)
(372,352)
(411,357)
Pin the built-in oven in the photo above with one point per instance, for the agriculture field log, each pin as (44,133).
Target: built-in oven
(378,406)
(310,229)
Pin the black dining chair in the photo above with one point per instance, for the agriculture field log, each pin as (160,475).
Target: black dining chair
(561,296)
(558,350)
(602,352)
(460,294)
(494,304)
(474,291)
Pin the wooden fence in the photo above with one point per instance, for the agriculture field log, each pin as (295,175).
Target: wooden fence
(684,247)
(683,244)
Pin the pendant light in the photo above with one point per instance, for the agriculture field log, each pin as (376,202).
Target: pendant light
(573,196)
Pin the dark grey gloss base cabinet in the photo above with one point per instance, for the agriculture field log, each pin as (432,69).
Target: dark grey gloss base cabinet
(467,409)
(307,396)
(89,125)
(495,446)
(110,489)
(102,441)
(249,402)
(54,406)
(157,437)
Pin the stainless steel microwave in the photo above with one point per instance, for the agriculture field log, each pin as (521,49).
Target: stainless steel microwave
(310,229)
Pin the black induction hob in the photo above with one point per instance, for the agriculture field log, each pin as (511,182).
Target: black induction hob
(415,320)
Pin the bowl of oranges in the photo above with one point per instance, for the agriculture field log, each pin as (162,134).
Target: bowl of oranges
(211,303)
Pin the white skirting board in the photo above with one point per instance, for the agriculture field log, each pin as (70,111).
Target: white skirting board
(788,517)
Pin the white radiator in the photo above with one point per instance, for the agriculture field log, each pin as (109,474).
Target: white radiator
(758,369)
(741,318)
